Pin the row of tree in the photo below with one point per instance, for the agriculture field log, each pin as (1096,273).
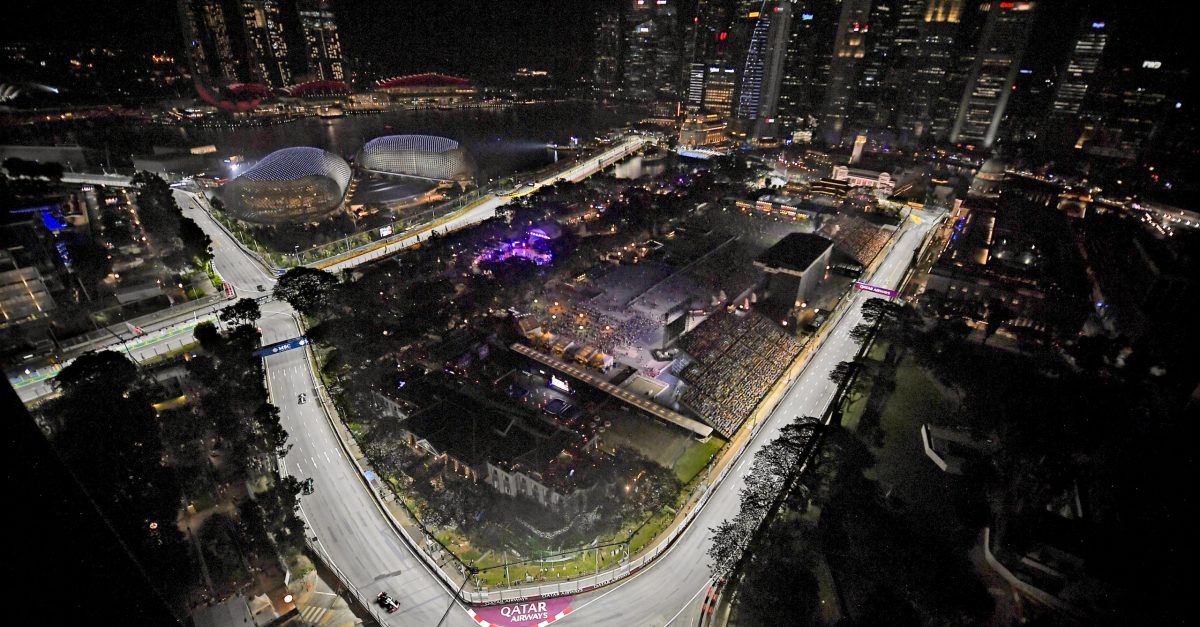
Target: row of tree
(17,167)
(165,224)
(771,479)
(103,424)
(141,466)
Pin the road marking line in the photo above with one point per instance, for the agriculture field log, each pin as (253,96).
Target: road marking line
(707,585)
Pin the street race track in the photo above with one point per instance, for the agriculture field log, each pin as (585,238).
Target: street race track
(350,530)
(352,533)
(671,590)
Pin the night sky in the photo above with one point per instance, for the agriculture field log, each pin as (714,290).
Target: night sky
(482,38)
(468,37)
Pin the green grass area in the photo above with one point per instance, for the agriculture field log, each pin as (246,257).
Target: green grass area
(854,407)
(901,460)
(857,401)
(695,458)
(171,354)
(649,531)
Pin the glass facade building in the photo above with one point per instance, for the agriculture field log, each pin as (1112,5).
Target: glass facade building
(289,186)
(422,156)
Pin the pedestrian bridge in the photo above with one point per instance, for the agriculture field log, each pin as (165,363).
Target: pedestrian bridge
(654,409)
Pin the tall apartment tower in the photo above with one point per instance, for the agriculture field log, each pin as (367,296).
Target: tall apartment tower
(989,84)
(1080,72)
(322,46)
(276,43)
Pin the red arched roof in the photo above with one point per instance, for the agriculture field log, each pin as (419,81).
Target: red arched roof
(235,97)
(428,79)
(318,88)
(249,89)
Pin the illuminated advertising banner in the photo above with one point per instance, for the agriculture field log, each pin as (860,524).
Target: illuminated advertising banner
(874,289)
(279,347)
(541,612)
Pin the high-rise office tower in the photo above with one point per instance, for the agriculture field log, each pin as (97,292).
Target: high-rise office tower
(766,124)
(1131,105)
(266,45)
(720,84)
(322,46)
(209,41)
(849,50)
(608,48)
(638,80)
(652,54)
(928,105)
(668,42)
(763,68)
(989,84)
(806,70)
(870,108)
(1080,72)
(712,31)
(694,90)
(750,94)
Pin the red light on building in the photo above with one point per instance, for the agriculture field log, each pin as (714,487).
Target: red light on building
(1007,5)
(723,36)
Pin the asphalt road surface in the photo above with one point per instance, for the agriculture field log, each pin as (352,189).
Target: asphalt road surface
(341,514)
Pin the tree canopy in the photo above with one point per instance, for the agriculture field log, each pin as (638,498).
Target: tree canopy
(244,311)
(308,290)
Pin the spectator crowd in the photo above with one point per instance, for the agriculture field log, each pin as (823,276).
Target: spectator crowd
(737,358)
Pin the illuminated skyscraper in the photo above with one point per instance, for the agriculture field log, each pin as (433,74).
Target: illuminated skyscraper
(266,44)
(1001,45)
(694,88)
(209,41)
(766,125)
(806,70)
(608,48)
(652,55)
(849,50)
(752,74)
(1131,106)
(322,46)
(928,105)
(720,83)
(1086,52)
(276,43)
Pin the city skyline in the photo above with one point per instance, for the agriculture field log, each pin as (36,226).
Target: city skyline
(824,313)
